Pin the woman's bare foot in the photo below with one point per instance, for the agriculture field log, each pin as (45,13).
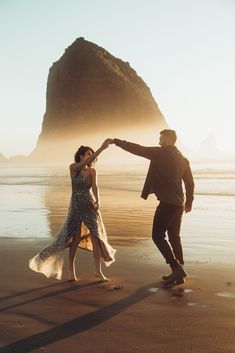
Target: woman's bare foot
(73,277)
(102,277)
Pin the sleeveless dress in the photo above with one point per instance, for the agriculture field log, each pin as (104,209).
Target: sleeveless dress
(83,216)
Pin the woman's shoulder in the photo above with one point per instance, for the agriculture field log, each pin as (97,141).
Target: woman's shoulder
(74,169)
(73,165)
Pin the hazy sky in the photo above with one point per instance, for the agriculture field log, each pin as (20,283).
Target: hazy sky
(183,49)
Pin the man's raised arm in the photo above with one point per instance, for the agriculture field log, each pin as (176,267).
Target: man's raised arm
(142,151)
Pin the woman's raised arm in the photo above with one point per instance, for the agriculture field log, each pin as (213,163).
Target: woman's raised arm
(75,167)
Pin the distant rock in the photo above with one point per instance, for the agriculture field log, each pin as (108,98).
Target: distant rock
(3,159)
(18,159)
(208,148)
(90,92)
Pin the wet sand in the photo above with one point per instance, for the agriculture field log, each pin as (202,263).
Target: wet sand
(41,315)
(132,313)
(35,200)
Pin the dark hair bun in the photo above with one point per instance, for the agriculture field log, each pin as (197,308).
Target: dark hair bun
(81,152)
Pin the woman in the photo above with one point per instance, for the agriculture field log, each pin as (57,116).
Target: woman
(83,226)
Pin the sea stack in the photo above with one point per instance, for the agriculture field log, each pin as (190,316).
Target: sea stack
(92,93)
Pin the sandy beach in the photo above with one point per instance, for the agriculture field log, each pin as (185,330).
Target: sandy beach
(45,315)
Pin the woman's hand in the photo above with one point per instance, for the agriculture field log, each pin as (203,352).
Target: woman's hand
(96,205)
(106,143)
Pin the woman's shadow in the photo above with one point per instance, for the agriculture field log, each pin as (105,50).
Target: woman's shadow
(80,324)
(64,287)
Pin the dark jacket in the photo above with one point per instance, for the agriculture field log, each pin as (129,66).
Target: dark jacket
(168,167)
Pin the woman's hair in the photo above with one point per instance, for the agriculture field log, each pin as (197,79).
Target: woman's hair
(81,152)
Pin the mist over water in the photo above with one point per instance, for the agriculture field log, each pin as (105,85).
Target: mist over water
(60,149)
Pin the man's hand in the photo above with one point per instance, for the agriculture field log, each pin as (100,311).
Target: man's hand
(110,141)
(187,208)
(96,205)
(106,143)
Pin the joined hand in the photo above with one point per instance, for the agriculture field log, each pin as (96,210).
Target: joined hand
(107,142)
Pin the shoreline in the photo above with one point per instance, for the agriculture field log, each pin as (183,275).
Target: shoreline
(140,245)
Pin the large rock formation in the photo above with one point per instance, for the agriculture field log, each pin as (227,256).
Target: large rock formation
(90,92)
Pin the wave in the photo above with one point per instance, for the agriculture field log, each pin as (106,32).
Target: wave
(208,181)
(215,193)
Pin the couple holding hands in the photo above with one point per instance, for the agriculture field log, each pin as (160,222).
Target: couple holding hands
(84,228)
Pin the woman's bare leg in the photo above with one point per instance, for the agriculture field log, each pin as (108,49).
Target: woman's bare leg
(72,254)
(97,258)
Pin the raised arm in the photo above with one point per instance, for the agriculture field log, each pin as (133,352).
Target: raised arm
(75,167)
(142,151)
(189,188)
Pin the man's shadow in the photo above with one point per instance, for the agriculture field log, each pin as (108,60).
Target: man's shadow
(80,324)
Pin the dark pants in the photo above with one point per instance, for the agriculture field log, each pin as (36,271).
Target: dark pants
(168,219)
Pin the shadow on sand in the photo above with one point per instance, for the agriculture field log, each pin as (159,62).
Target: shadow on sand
(72,287)
(79,324)
(28,291)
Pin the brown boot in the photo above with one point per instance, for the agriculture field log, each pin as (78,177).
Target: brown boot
(178,281)
(177,277)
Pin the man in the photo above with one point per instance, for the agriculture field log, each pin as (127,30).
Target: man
(168,168)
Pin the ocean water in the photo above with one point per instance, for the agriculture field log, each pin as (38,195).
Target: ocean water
(34,203)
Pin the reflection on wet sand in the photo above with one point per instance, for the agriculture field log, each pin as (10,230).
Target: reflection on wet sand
(127,217)
(56,199)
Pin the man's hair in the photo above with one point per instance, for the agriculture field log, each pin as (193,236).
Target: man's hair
(171,134)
